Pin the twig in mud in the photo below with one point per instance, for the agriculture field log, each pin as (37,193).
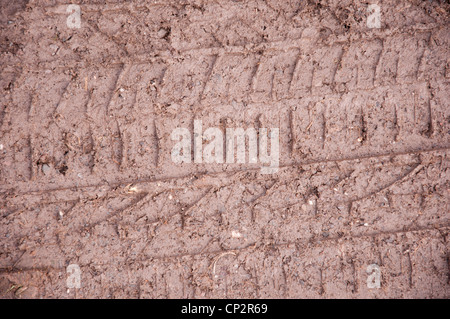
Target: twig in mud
(220,256)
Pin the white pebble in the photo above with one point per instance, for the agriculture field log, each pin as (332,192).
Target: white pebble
(236,234)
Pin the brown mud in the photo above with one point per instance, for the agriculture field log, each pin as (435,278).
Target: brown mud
(86,175)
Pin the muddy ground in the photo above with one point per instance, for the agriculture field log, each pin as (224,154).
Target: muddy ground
(86,174)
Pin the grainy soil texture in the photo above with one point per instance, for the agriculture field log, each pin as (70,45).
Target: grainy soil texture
(91,95)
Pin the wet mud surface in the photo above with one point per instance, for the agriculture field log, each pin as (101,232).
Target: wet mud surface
(87,178)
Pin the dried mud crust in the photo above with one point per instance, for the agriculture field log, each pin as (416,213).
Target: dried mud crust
(86,176)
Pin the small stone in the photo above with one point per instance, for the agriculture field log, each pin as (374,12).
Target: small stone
(45,169)
(236,234)
(54,48)
(1,147)
(162,33)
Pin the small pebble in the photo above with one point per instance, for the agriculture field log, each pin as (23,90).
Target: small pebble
(162,33)
(236,234)
(54,48)
(45,169)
